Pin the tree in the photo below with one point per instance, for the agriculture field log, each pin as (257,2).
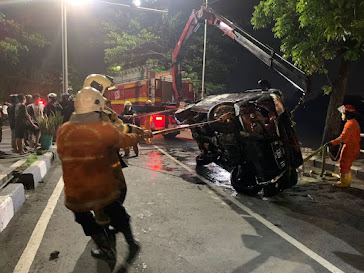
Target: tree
(136,40)
(20,62)
(314,32)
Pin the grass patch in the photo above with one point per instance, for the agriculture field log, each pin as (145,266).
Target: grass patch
(30,160)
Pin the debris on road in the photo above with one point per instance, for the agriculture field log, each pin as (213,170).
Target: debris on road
(54,255)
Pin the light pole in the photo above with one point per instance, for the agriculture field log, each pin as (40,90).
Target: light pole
(64,46)
(204,57)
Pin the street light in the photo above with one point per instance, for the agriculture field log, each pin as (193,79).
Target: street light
(136,4)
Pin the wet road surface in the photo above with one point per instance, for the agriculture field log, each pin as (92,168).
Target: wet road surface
(190,220)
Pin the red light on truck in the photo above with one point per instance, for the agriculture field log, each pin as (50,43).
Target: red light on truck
(160,122)
(41,101)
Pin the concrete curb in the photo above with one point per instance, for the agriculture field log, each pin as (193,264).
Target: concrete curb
(357,172)
(13,195)
(7,175)
(36,172)
(6,211)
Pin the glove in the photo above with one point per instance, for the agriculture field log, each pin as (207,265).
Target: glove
(329,144)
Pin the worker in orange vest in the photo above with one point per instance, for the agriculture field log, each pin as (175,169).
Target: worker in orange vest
(92,174)
(350,138)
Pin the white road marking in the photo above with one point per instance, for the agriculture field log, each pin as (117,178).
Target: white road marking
(27,258)
(329,266)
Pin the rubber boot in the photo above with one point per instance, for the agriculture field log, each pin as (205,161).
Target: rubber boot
(134,247)
(105,250)
(345,181)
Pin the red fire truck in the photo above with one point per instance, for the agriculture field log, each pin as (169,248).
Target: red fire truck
(159,90)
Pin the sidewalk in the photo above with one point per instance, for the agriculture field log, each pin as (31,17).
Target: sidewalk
(12,195)
(10,158)
(315,163)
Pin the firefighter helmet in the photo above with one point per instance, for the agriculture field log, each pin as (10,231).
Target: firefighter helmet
(52,96)
(347,108)
(99,82)
(148,102)
(89,100)
(127,103)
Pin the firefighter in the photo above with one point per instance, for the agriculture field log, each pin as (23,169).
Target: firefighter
(92,173)
(148,122)
(350,138)
(103,83)
(128,116)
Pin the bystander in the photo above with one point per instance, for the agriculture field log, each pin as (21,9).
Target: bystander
(35,110)
(11,114)
(67,107)
(52,106)
(22,122)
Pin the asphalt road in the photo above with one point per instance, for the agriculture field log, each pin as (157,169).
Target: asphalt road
(190,220)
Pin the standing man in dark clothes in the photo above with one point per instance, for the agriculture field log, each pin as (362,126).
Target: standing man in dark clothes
(11,113)
(35,110)
(23,122)
(128,116)
(52,106)
(68,107)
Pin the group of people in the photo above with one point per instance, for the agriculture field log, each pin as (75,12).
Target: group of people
(24,113)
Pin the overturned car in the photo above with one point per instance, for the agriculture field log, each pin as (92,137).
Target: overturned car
(257,144)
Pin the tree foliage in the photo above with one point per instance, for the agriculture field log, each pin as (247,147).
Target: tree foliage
(20,58)
(314,31)
(137,40)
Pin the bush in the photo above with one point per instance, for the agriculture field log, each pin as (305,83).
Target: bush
(48,125)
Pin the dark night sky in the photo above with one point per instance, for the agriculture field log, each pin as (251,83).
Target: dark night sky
(45,15)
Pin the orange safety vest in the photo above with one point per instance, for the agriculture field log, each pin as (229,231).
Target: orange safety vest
(92,173)
(350,137)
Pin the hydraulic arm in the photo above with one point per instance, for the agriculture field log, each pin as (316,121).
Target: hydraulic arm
(258,49)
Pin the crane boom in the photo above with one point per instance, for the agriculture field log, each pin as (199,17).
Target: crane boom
(263,52)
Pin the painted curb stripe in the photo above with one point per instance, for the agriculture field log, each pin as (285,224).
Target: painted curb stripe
(27,258)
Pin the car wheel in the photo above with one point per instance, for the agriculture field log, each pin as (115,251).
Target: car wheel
(289,179)
(271,189)
(244,182)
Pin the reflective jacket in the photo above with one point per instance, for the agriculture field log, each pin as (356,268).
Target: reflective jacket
(350,136)
(92,173)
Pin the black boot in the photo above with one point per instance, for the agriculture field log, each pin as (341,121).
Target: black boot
(134,249)
(105,250)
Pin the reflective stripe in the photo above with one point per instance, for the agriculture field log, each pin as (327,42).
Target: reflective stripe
(83,158)
(86,206)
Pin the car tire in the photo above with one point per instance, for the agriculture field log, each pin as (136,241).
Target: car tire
(241,183)
(271,190)
(289,179)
